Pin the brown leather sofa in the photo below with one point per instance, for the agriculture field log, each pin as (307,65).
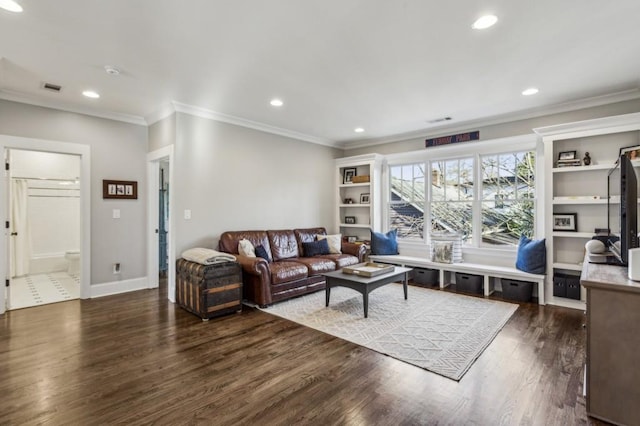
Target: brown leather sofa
(287,273)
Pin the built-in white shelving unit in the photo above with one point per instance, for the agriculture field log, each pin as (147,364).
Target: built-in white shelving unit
(363,214)
(581,189)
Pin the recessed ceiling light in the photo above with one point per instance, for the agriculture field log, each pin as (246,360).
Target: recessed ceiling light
(530,91)
(91,94)
(485,21)
(276,102)
(358,130)
(10,5)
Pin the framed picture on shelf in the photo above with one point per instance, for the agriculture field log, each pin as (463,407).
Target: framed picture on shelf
(567,155)
(350,220)
(352,238)
(633,152)
(565,222)
(348,174)
(364,198)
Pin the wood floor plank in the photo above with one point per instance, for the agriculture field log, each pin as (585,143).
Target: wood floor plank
(135,358)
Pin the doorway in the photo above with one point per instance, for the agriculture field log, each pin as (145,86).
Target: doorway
(83,154)
(160,248)
(44,228)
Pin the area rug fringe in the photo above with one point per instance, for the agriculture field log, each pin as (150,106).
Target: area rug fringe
(439,331)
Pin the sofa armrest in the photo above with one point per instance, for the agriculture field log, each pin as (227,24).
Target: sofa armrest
(253,265)
(358,250)
(256,279)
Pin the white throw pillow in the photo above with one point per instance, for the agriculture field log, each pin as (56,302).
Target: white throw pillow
(245,248)
(334,241)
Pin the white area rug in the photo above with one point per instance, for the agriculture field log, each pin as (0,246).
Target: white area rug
(436,330)
(41,289)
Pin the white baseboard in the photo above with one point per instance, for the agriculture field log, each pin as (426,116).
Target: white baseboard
(117,287)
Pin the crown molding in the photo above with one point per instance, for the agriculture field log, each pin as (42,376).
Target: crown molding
(225,118)
(596,125)
(32,100)
(595,101)
(163,111)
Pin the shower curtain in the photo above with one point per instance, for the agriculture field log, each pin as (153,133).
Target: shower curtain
(20,237)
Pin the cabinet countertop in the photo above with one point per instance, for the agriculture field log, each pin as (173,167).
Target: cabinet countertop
(607,277)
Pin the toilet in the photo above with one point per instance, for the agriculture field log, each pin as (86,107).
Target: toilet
(73,260)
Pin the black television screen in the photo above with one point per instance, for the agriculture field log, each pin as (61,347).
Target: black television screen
(628,210)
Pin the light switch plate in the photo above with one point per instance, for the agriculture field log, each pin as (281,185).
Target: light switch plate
(187,214)
(116,213)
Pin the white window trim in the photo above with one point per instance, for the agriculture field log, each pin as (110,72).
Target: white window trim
(528,142)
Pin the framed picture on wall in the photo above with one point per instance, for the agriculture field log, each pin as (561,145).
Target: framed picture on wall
(120,189)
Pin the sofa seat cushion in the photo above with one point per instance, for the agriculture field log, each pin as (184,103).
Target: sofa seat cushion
(284,271)
(341,260)
(317,265)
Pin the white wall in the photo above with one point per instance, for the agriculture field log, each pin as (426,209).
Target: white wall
(234,178)
(118,151)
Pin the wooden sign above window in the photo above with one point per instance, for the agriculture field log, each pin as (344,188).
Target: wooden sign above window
(445,140)
(122,189)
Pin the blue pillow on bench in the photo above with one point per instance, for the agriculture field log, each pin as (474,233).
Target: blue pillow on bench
(384,243)
(532,256)
(314,248)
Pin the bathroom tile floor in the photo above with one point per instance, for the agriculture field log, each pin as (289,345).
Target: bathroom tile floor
(40,289)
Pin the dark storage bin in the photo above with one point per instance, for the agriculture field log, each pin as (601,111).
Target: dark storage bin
(519,291)
(468,283)
(422,276)
(559,285)
(573,287)
(209,290)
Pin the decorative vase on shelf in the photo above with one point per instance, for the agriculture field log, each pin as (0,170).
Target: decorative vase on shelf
(587,159)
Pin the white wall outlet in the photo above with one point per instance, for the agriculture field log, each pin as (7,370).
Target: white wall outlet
(116,268)
(187,214)
(116,213)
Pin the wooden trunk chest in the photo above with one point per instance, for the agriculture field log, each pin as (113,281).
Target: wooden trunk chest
(209,290)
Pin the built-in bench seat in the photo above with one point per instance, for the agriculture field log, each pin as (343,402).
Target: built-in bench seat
(487,271)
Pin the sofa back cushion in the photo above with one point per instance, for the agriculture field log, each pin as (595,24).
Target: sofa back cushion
(229,240)
(307,235)
(283,244)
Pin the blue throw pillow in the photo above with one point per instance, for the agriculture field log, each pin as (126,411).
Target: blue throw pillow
(384,243)
(314,248)
(262,252)
(532,256)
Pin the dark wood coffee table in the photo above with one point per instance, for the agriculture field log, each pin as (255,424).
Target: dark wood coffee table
(365,285)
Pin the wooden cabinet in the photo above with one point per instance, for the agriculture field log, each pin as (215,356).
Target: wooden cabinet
(358,195)
(613,344)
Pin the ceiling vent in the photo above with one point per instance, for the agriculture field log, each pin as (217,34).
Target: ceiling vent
(439,120)
(51,87)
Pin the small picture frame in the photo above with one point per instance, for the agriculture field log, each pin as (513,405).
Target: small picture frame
(633,152)
(348,174)
(567,155)
(567,222)
(352,238)
(350,220)
(120,189)
(364,198)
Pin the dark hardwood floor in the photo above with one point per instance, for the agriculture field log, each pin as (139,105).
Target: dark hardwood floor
(135,358)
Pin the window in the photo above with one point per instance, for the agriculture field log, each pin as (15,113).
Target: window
(508,191)
(452,195)
(407,200)
(489,199)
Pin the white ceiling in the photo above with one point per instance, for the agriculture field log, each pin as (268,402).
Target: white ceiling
(387,66)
